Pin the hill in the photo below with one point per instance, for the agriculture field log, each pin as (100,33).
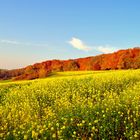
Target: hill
(122,59)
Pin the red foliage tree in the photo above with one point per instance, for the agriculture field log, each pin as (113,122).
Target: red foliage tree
(123,59)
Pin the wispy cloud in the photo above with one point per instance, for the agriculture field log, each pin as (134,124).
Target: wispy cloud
(79,44)
(18,43)
(9,42)
(106,49)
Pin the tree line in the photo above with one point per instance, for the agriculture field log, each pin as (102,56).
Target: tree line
(122,59)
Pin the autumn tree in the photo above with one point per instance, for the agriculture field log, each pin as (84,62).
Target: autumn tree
(43,73)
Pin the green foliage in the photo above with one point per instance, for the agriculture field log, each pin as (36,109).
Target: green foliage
(78,105)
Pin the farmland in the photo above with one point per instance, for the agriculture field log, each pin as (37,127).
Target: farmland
(72,105)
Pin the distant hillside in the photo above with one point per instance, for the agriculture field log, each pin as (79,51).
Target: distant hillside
(122,59)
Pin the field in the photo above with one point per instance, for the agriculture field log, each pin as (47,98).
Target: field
(102,105)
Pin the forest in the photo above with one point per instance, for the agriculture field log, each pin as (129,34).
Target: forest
(122,59)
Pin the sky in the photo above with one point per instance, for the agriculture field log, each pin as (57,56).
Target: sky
(33,31)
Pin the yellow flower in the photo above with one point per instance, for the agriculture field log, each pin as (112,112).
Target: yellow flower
(93,128)
(91,134)
(25,137)
(63,127)
(89,124)
(34,134)
(52,128)
(83,121)
(57,124)
(96,121)
(135,135)
(54,135)
(74,133)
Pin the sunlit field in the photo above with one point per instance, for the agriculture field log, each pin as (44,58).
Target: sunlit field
(100,105)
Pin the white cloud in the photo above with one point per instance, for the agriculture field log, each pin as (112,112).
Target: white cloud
(18,43)
(10,42)
(106,49)
(78,44)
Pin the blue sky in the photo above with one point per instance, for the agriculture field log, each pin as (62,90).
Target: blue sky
(36,30)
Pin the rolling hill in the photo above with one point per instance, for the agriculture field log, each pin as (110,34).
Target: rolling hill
(122,59)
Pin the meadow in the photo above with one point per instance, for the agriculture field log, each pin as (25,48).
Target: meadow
(92,105)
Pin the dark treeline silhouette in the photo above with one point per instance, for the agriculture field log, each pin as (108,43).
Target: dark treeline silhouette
(122,59)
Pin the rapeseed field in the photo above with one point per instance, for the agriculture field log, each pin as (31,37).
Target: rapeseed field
(72,106)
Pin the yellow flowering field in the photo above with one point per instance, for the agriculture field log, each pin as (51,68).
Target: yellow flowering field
(72,106)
